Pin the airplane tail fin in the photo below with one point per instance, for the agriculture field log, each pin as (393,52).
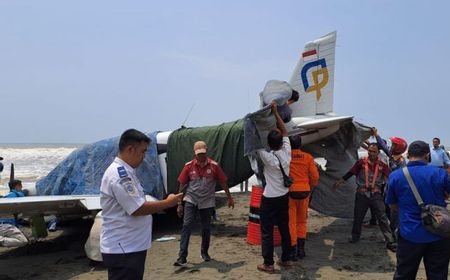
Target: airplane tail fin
(313,77)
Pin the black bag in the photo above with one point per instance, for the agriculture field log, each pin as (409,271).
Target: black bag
(288,181)
(299,195)
(435,218)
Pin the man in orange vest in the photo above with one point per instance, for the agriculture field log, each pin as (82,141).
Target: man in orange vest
(371,174)
(305,174)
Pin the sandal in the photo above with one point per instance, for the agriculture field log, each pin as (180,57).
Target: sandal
(266,268)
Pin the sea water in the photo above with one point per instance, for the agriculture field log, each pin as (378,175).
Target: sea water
(32,161)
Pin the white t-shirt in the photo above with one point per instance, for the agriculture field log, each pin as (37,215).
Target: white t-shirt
(274,179)
(121,194)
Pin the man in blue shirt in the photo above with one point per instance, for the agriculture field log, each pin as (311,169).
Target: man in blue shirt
(10,235)
(439,157)
(415,242)
(15,187)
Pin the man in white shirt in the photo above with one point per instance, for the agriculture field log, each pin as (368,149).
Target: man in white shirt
(275,202)
(127,222)
(439,156)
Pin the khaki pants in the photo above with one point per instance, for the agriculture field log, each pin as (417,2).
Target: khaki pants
(11,236)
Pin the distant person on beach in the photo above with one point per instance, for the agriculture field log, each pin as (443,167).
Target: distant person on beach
(415,241)
(1,167)
(439,157)
(371,174)
(198,181)
(274,208)
(127,217)
(10,234)
(305,174)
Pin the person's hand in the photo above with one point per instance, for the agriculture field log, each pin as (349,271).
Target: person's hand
(338,183)
(180,210)
(375,131)
(172,199)
(274,106)
(230,203)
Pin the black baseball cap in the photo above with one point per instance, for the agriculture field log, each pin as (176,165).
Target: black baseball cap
(418,148)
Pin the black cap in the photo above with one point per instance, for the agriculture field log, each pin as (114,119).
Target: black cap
(1,158)
(418,148)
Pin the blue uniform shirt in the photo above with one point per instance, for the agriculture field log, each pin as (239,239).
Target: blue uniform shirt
(431,183)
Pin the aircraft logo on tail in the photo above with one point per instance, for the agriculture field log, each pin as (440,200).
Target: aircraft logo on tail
(313,77)
(323,71)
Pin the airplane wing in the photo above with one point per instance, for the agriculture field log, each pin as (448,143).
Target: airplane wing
(51,205)
(76,205)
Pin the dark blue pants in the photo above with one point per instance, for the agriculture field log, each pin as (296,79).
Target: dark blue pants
(129,266)
(190,212)
(435,258)
(275,211)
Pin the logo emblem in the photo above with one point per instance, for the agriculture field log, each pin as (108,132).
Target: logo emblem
(317,85)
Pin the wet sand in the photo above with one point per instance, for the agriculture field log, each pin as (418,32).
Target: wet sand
(329,255)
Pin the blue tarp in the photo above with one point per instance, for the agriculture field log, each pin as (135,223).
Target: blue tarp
(82,171)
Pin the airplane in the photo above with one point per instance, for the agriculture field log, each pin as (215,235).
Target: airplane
(312,118)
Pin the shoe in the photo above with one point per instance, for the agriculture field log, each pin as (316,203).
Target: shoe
(293,254)
(285,264)
(301,248)
(392,246)
(266,268)
(181,261)
(205,256)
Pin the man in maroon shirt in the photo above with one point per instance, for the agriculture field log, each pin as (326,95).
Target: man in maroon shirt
(371,174)
(198,181)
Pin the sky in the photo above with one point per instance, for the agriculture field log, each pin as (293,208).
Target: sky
(81,71)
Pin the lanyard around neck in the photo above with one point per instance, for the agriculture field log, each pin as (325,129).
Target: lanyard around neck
(375,175)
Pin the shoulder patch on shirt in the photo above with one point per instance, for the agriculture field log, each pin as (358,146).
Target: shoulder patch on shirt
(187,163)
(213,162)
(124,180)
(129,187)
(122,172)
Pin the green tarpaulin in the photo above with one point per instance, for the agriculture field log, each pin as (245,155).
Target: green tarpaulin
(225,145)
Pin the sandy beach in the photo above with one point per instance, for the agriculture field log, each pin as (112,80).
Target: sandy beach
(329,255)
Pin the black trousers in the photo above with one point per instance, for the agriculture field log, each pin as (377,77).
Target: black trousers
(190,212)
(376,203)
(128,266)
(435,258)
(275,211)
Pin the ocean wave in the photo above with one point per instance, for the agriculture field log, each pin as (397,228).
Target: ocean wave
(32,161)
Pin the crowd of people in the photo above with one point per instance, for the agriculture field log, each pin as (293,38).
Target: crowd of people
(381,186)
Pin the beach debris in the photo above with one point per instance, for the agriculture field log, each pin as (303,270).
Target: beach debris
(166,238)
